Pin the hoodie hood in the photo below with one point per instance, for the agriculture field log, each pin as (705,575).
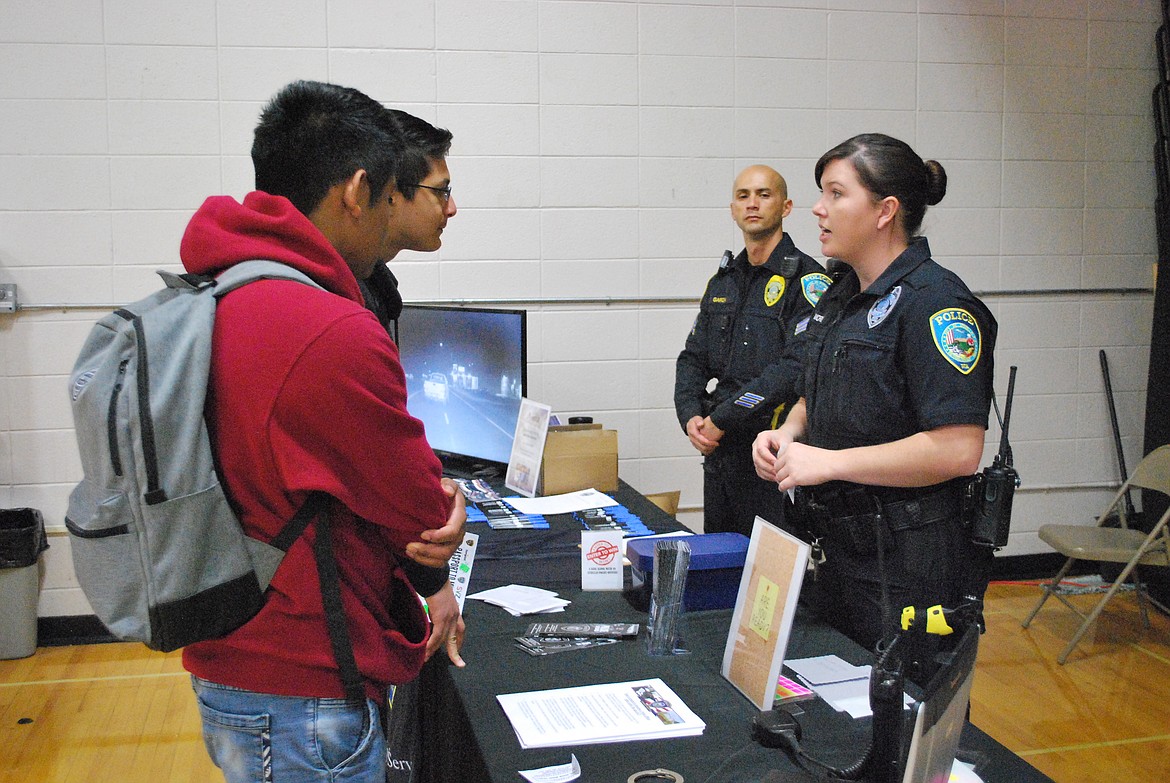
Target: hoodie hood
(224,232)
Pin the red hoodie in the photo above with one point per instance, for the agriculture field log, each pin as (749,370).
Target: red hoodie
(307,393)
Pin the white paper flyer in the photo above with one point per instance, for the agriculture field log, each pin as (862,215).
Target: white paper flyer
(610,712)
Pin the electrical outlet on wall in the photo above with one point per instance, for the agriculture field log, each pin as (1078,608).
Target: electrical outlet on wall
(8,302)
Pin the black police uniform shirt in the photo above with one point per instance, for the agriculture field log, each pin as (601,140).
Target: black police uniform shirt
(911,353)
(738,337)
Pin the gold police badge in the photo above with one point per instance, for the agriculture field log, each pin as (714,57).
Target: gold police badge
(774,290)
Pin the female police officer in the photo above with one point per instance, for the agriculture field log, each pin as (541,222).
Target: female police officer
(897,389)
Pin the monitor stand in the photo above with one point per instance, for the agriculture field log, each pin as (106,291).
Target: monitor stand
(460,467)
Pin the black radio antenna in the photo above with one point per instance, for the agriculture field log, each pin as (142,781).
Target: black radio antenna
(1004,456)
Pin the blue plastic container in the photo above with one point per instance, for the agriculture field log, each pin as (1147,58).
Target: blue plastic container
(713,577)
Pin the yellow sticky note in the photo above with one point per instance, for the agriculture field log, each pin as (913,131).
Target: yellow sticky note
(764,607)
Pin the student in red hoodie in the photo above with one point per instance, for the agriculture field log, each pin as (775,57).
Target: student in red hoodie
(307,394)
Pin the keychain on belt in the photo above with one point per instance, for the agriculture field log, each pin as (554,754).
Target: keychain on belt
(816,553)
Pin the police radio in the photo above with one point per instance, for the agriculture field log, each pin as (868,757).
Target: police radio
(836,268)
(992,490)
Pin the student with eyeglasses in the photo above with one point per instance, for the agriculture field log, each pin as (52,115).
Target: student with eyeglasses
(307,395)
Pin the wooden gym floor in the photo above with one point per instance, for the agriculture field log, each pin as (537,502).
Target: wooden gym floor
(119,713)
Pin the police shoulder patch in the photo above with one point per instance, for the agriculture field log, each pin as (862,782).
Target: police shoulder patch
(956,335)
(813,285)
(774,290)
(883,307)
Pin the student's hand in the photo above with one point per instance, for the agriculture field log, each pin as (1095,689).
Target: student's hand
(447,626)
(699,440)
(437,546)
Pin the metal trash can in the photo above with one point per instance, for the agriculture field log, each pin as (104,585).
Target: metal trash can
(22,539)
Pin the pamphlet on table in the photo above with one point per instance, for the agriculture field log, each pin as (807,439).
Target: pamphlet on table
(844,686)
(565,503)
(521,599)
(562,773)
(609,712)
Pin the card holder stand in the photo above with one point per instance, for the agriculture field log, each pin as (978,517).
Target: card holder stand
(665,625)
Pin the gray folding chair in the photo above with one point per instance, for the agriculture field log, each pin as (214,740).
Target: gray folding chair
(1122,544)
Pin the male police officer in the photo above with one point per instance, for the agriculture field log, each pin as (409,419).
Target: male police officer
(750,309)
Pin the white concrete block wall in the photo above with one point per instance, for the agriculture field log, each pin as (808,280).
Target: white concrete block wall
(595,144)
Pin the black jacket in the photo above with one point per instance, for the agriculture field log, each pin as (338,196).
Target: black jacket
(745,319)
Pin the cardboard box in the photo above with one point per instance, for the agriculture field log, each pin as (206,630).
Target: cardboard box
(579,456)
(713,575)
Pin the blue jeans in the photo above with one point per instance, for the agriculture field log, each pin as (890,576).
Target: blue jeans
(261,738)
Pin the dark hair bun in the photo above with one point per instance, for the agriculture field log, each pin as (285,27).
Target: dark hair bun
(937,186)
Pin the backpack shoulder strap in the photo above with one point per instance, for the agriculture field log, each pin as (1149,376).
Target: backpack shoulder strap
(248,271)
(316,506)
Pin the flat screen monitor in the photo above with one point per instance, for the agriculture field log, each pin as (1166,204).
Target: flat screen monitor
(466,370)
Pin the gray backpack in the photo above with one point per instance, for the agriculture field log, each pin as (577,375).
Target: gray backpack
(157,549)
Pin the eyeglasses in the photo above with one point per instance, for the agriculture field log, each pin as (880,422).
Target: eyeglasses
(444,192)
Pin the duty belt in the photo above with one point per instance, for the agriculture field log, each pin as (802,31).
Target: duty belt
(858,520)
